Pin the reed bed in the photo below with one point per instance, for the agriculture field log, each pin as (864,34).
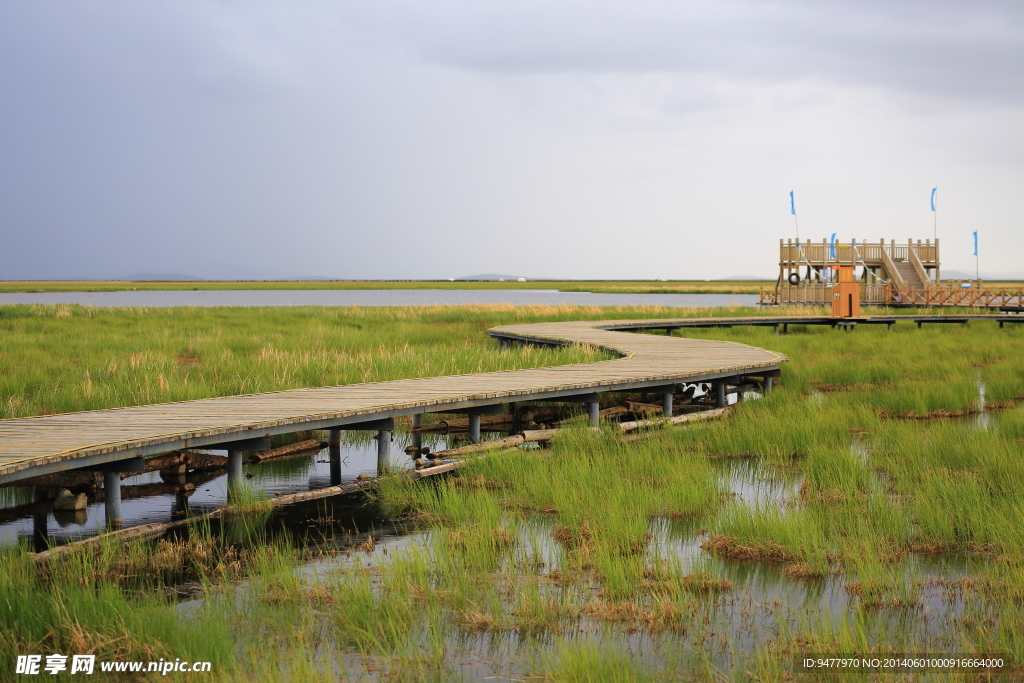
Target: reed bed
(870,505)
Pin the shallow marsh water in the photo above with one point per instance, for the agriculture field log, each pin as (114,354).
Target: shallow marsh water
(372,297)
(763,606)
(358,456)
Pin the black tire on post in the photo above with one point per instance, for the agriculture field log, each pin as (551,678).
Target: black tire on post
(794,278)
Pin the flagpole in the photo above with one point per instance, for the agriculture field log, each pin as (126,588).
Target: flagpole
(977,272)
(935,217)
(796,222)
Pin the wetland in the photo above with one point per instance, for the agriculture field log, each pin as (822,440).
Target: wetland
(871,504)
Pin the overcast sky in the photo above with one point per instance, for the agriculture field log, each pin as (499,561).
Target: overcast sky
(558,138)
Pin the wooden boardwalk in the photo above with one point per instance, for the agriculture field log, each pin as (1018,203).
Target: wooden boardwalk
(54,443)
(42,445)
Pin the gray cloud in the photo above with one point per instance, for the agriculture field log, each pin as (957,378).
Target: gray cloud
(950,49)
(400,139)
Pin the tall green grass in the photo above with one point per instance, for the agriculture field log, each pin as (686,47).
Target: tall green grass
(67,358)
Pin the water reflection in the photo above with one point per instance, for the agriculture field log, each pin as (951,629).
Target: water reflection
(373,297)
(150,498)
(758,486)
(982,419)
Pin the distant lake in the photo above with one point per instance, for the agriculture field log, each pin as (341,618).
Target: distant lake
(373,297)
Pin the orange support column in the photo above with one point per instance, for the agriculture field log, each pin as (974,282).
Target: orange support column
(846,295)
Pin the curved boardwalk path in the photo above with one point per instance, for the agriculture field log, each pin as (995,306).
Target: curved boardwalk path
(108,439)
(102,438)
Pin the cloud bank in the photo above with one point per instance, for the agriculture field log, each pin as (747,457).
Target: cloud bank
(427,140)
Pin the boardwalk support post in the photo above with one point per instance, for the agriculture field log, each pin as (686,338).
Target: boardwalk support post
(112,485)
(112,499)
(720,401)
(40,538)
(234,449)
(234,469)
(334,455)
(593,405)
(417,439)
(666,404)
(768,385)
(180,507)
(383,452)
(474,417)
(382,426)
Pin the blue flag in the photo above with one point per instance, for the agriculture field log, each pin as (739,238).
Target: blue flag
(933,197)
(792,204)
(832,247)
(975,243)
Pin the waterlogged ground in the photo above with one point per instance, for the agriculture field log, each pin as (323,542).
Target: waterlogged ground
(533,602)
(871,505)
(732,610)
(513,621)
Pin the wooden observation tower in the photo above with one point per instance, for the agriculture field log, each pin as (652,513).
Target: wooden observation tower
(887,272)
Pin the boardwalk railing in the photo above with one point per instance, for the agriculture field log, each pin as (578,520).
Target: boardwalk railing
(915,259)
(885,295)
(895,278)
(819,294)
(792,254)
(973,297)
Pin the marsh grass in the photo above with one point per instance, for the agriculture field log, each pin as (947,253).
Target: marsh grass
(583,563)
(594,663)
(71,358)
(83,604)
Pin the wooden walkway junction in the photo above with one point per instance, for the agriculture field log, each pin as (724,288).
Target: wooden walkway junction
(118,440)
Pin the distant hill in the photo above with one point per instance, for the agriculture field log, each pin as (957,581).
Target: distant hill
(964,275)
(159,277)
(492,276)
